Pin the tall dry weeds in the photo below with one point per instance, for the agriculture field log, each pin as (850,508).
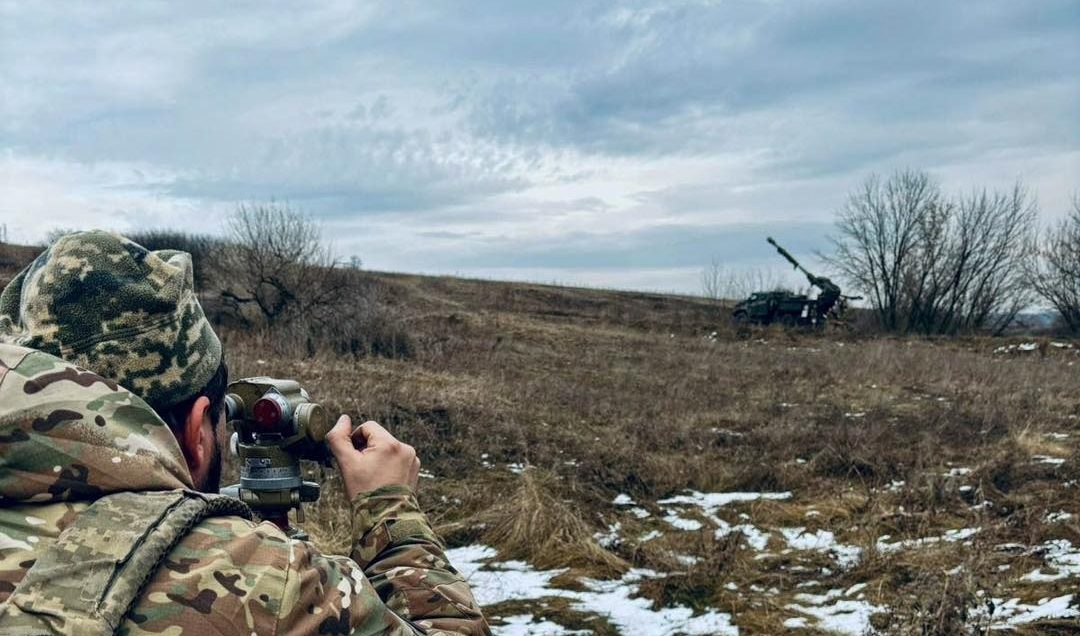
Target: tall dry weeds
(534,524)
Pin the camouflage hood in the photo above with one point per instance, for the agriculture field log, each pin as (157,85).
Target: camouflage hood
(110,305)
(69,435)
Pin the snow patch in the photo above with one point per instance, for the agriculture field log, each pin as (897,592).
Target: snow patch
(963,534)
(496,582)
(687,560)
(710,501)
(688,525)
(837,614)
(1046,459)
(611,537)
(1007,614)
(845,555)
(526,625)
(1060,555)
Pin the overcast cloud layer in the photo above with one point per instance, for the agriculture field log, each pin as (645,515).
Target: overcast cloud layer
(616,144)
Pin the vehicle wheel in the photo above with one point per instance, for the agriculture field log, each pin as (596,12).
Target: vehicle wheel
(740,318)
(788,321)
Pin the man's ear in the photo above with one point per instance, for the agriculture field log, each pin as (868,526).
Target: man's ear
(198,444)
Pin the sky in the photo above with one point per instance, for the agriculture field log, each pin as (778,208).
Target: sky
(614,144)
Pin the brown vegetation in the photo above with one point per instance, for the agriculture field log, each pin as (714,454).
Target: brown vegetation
(533,406)
(600,393)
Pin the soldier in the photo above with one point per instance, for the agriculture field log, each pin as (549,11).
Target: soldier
(830,294)
(111,426)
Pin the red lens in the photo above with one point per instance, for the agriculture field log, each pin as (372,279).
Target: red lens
(267,412)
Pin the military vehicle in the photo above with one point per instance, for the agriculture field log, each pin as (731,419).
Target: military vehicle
(791,309)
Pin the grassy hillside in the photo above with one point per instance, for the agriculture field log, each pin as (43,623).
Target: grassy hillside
(905,485)
(624,463)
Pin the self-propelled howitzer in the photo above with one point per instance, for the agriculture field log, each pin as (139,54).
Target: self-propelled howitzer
(792,309)
(830,291)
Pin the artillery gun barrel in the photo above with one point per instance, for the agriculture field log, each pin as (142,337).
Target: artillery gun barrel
(787,255)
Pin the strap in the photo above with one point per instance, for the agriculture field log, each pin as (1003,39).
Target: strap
(88,579)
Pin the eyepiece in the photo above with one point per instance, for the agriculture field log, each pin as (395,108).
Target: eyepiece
(234,407)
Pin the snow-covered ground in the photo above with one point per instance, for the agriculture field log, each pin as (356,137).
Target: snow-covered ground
(846,610)
(494,582)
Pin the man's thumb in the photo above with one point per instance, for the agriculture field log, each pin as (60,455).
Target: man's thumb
(339,438)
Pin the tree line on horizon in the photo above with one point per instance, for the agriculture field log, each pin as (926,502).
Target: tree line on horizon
(926,261)
(934,263)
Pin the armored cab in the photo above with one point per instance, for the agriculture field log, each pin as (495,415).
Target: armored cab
(766,308)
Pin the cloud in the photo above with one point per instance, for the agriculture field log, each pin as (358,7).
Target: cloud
(40,195)
(613,138)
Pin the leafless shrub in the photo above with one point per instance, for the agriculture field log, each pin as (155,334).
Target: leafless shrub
(363,326)
(279,266)
(1055,276)
(931,264)
(277,275)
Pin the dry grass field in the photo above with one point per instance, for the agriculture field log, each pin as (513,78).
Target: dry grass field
(624,463)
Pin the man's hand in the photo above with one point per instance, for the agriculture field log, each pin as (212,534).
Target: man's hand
(370,457)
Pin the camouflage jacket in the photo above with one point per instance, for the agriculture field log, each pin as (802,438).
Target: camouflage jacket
(69,437)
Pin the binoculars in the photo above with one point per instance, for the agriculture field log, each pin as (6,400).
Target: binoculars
(275,425)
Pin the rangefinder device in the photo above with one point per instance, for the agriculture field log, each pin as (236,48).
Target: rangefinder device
(275,425)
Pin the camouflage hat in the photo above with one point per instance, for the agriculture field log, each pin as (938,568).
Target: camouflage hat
(107,304)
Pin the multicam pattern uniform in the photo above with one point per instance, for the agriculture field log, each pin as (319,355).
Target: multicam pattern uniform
(69,437)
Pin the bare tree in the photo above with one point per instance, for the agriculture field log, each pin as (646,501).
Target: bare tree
(985,262)
(713,280)
(1055,276)
(933,264)
(280,265)
(878,234)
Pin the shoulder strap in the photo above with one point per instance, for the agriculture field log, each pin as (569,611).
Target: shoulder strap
(88,579)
